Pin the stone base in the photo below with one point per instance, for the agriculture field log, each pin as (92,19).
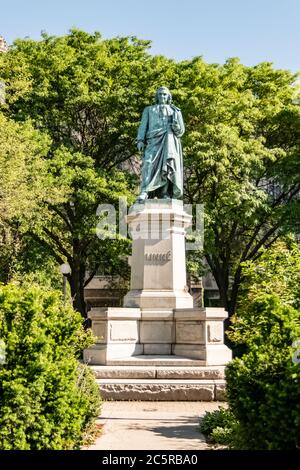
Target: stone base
(162,390)
(162,378)
(155,361)
(151,371)
(124,332)
(158,347)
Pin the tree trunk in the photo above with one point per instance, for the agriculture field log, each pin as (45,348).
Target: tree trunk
(222,283)
(234,291)
(76,280)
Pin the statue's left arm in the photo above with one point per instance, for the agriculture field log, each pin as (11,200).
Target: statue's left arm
(178,124)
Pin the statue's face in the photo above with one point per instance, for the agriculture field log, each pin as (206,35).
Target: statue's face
(162,97)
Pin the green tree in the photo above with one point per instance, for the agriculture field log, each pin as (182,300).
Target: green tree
(241,145)
(241,160)
(87,95)
(68,231)
(277,271)
(25,186)
(23,174)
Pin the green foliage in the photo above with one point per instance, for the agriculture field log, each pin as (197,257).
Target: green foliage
(48,400)
(223,436)
(275,274)
(9,250)
(23,174)
(263,386)
(220,418)
(86,94)
(276,271)
(26,186)
(241,145)
(33,265)
(241,160)
(220,426)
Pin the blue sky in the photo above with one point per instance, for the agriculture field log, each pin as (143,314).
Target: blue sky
(254,30)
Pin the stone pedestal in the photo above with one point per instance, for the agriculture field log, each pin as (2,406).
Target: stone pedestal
(190,333)
(158,319)
(158,267)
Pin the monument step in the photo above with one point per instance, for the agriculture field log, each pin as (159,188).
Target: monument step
(162,389)
(159,372)
(155,360)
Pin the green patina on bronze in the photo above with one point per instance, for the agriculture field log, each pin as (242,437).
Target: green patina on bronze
(159,138)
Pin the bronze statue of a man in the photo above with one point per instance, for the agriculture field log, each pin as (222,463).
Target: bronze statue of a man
(159,138)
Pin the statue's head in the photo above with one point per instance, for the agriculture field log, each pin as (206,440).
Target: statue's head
(163,95)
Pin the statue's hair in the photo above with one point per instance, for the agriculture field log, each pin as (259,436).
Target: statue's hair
(167,90)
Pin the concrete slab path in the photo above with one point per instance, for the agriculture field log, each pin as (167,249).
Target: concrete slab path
(133,425)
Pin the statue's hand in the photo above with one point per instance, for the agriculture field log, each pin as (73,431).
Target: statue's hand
(176,127)
(140,146)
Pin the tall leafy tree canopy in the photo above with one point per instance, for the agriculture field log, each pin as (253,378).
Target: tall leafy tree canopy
(242,161)
(241,145)
(86,95)
(25,185)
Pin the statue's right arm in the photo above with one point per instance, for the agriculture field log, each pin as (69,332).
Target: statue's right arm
(141,137)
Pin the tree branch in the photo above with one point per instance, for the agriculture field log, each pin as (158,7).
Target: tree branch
(62,216)
(91,275)
(263,240)
(44,243)
(60,246)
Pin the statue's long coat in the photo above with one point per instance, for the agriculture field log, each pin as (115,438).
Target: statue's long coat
(162,162)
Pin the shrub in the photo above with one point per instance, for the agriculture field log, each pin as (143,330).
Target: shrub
(221,417)
(263,386)
(219,426)
(47,399)
(223,436)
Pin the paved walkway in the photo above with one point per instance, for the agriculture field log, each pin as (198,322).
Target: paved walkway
(152,425)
